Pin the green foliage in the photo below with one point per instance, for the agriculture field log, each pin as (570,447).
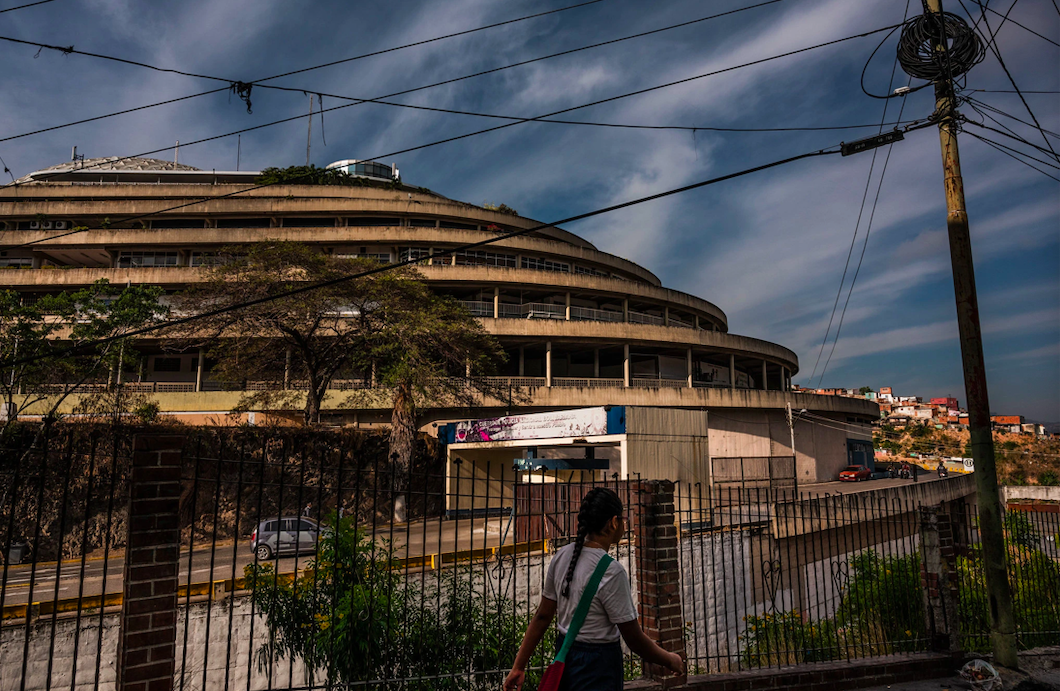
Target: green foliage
(864,390)
(1009,445)
(880,612)
(1049,478)
(352,617)
(1019,530)
(500,208)
(312,175)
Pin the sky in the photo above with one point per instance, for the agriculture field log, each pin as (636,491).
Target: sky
(769,248)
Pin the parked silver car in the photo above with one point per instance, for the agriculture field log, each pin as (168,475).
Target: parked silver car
(287,535)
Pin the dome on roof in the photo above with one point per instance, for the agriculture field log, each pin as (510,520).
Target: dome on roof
(110,164)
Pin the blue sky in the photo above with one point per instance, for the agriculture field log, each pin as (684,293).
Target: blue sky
(769,249)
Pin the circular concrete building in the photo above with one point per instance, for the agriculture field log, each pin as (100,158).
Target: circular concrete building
(582,327)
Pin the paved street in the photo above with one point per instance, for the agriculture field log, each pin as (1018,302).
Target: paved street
(228,559)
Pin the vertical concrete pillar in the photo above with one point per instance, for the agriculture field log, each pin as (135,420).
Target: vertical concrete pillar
(548,363)
(688,367)
(938,578)
(148,639)
(666,316)
(522,361)
(625,309)
(596,363)
(695,321)
(199,368)
(625,365)
(765,377)
(784,378)
(732,371)
(452,258)
(496,303)
(567,312)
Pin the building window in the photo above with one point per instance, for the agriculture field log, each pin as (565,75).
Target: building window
(423,223)
(479,258)
(362,221)
(308,222)
(545,264)
(178,223)
(204,259)
(243,223)
(16,263)
(381,257)
(406,254)
(167,364)
(128,260)
(589,271)
(458,226)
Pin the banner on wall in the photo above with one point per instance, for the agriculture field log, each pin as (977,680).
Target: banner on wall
(581,422)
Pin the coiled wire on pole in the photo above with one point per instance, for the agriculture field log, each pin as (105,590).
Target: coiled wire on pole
(918,51)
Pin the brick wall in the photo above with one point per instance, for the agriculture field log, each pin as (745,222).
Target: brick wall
(149,606)
(658,572)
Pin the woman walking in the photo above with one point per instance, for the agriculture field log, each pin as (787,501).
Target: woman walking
(594,658)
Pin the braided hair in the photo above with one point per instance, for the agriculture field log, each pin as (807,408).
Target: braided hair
(599,506)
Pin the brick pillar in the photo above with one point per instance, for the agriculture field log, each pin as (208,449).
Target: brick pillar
(938,578)
(658,575)
(149,604)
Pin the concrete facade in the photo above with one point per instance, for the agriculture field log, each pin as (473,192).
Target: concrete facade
(582,327)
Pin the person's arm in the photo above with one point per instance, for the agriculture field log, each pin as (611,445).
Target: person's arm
(546,611)
(648,649)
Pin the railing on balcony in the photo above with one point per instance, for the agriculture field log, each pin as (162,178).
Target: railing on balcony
(506,311)
(517,382)
(594,315)
(587,382)
(646,383)
(541,310)
(478,308)
(645,318)
(681,323)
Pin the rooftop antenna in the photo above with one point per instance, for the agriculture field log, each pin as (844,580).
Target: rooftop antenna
(77,159)
(239,146)
(176,152)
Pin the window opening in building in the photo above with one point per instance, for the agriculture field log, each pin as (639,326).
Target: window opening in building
(128,260)
(458,226)
(308,222)
(362,221)
(590,271)
(423,223)
(243,223)
(16,262)
(406,254)
(178,223)
(482,258)
(545,264)
(167,364)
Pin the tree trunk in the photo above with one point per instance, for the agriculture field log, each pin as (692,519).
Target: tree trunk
(402,442)
(312,405)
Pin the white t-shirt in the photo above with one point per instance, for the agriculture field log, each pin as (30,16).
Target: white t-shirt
(612,605)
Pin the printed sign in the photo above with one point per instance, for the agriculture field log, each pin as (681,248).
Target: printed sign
(583,422)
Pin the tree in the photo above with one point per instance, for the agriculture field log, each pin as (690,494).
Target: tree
(864,390)
(430,351)
(34,336)
(292,346)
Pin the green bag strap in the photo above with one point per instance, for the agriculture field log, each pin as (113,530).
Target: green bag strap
(583,606)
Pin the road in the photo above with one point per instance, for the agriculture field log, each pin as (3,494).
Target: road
(53,581)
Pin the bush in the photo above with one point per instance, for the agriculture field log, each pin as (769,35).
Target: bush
(1049,478)
(352,617)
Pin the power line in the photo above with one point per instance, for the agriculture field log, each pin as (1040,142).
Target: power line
(432,255)
(308,69)
(1002,148)
(1008,91)
(442,141)
(994,109)
(1014,137)
(22,7)
(864,247)
(864,195)
(435,84)
(997,53)
(1025,28)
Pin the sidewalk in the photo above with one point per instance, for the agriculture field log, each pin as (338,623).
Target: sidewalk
(1040,672)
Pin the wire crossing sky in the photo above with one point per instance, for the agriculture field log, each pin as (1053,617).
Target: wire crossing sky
(768,248)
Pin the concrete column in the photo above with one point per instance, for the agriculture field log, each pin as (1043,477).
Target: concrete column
(548,363)
(625,309)
(452,258)
(522,360)
(596,362)
(765,380)
(199,369)
(666,316)
(625,362)
(695,321)
(496,303)
(567,312)
(784,378)
(732,371)
(36,261)
(689,368)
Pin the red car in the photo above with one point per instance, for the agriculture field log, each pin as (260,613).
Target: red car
(855,473)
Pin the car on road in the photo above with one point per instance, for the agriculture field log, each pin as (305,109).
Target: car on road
(855,473)
(284,535)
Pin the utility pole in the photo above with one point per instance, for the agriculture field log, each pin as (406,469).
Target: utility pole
(309,131)
(991,531)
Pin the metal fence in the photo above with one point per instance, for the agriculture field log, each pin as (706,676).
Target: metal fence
(310,560)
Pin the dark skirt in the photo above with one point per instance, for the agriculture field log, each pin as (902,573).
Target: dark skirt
(592,667)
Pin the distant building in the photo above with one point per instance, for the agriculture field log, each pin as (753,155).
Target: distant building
(949,401)
(1006,420)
